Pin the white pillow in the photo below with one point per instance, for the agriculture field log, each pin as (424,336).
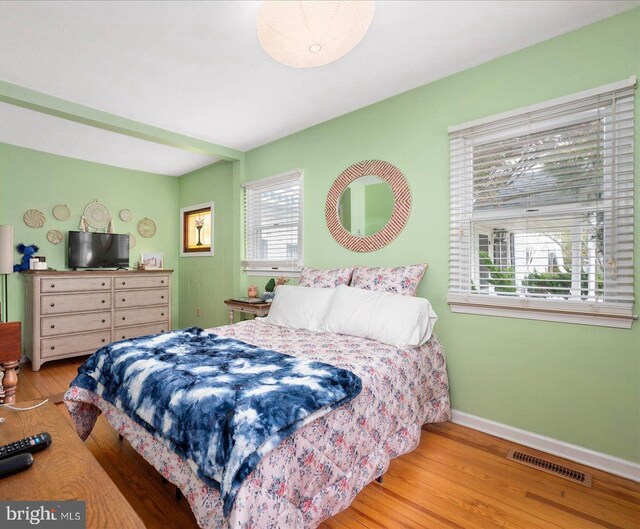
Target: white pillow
(402,321)
(300,307)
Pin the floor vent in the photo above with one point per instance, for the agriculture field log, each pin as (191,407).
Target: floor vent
(551,468)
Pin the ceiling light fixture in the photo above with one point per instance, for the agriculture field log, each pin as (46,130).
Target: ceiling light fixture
(306,34)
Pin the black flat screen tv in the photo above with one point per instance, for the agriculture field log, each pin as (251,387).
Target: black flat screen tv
(98,250)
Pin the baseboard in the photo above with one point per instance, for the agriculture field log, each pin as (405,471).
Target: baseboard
(614,465)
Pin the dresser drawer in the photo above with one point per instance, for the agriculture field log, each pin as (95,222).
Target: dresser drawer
(75,302)
(55,325)
(145,281)
(71,284)
(133,332)
(76,344)
(127,317)
(141,298)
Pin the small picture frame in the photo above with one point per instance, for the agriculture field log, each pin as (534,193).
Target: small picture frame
(196,227)
(152,261)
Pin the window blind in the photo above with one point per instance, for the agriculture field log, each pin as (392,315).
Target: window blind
(541,210)
(273,224)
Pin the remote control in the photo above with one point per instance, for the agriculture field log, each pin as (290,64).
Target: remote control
(14,464)
(28,445)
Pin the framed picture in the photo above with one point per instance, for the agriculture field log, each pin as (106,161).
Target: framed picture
(153,261)
(196,228)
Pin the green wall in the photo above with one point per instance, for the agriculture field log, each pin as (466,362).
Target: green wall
(580,384)
(205,282)
(32,179)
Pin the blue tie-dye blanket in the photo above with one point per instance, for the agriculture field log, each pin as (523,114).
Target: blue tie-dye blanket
(220,403)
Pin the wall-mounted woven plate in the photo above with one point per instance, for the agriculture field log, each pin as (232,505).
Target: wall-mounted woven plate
(147,228)
(96,216)
(34,218)
(61,212)
(125,215)
(54,236)
(132,240)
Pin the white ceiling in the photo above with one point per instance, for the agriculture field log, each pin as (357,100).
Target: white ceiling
(34,130)
(197,67)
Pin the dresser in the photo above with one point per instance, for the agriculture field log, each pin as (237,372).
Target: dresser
(74,313)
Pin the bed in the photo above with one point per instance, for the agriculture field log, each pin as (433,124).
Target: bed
(316,472)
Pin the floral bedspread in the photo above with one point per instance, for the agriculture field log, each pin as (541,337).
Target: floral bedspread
(316,472)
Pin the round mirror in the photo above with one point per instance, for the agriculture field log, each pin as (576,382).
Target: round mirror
(368,205)
(365,206)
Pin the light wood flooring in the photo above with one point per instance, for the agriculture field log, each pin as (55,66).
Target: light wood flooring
(457,478)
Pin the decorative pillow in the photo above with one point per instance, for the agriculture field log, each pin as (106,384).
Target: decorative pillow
(300,307)
(320,278)
(401,321)
(397,280)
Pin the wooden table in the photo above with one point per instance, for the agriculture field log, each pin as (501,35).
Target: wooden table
(10,352)
(257,309)
(64,471)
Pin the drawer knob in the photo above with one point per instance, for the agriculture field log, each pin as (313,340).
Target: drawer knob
(53,347)
(103,284)
(123,283)
(124,299)
(103,301)
(123,337)
(161,297)
(162,281)
(162,314)
(103,340)
(53,304)
(123,318)
(161,330)
(103,321)
(53,326)
(53,285)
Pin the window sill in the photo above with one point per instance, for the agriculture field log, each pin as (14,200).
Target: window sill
(271,273)
(600,314)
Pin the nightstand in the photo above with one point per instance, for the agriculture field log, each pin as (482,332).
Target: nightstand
(257,309)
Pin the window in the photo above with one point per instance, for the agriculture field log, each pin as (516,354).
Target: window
(196,226)
(273,224)
(542,211)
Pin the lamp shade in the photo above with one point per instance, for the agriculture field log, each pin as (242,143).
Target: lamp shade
(6,249)
(312,33)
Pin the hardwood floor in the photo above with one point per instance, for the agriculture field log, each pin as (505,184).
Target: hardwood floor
(457,478)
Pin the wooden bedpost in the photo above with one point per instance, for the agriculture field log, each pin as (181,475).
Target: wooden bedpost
(10,351)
